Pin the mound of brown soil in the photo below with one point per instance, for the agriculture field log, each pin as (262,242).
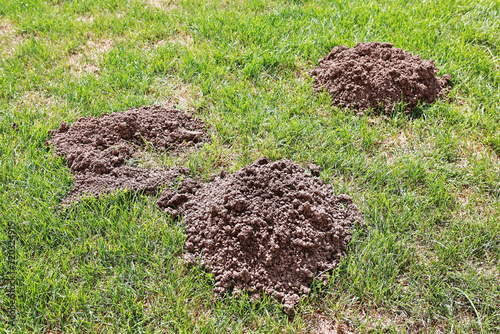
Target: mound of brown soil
(377,75)
(270,227)
(96,148)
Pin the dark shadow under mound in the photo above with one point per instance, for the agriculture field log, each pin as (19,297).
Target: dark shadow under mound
(97,148)
(270,227)
(378,76)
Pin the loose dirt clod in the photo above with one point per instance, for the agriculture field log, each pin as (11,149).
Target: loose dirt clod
(270,227)
(378,76)
(97,148)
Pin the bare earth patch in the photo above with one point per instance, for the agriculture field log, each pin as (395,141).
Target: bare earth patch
(88,58)
(377,320)
(9,41)
(470,149)
(173,93)
(488,272)
(161,4)
(475,207)
(181,39)
(398,145)
(39,102)
(33,99)
(6,28)
(323,324)
(85,19)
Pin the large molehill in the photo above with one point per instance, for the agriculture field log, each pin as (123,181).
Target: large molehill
(378,76)
(268,228)
(97,148)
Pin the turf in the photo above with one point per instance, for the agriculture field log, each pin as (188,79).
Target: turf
(428,183)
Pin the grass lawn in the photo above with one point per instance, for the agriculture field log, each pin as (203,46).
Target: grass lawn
(429,186)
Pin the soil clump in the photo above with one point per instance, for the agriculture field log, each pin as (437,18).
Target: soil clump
(268,228)
(378,76)
(97,148)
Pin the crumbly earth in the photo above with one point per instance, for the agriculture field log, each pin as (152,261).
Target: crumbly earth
(97,148)
(125,178)
(173,202)
(377,75)
(270,227)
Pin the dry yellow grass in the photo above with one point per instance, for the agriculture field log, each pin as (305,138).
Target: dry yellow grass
(175,94)
(85,19)
(161,4)
(9,41)
(87,59)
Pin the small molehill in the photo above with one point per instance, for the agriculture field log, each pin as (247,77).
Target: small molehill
(270,227)
(97,148)
(378,76)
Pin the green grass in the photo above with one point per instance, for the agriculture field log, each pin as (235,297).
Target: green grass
(429,187)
